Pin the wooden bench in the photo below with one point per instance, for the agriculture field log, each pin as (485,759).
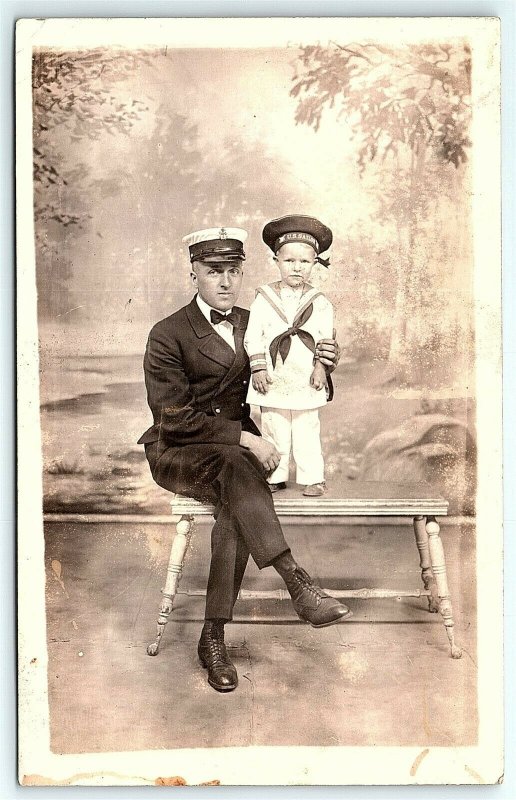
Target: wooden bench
(366,499)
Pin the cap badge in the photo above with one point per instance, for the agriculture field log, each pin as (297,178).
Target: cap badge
(223,234)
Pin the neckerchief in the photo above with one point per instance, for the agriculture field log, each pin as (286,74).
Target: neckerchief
(281,344)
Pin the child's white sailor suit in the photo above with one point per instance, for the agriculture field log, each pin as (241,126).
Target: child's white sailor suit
(284,326)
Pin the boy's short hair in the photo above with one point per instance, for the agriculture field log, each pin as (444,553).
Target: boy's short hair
(296,241)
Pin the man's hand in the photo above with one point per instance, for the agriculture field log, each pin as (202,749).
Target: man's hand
(264,451)
(261,381)
(328,352)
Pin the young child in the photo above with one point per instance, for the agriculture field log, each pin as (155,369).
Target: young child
(287,320)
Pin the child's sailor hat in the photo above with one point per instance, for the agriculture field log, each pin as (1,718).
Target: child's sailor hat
(216,244)
(298,228)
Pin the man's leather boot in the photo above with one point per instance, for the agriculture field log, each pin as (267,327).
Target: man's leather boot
(310,602)
(212,652)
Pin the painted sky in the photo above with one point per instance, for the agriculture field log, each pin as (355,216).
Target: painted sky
(124,278)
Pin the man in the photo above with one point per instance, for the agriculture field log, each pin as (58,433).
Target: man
(203,443)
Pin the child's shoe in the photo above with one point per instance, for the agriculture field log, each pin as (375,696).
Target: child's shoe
(314,490)
(275,487)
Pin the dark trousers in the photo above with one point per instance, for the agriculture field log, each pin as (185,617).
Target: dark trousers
(232,479)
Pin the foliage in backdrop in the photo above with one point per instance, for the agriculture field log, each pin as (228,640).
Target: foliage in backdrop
(403,114)
(171,188)
(408,111)
(134,149)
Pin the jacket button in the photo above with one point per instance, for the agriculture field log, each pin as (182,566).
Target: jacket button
(245,383)
(242,404)
(217,410)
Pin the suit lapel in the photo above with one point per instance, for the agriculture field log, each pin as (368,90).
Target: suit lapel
(217,349)
(211,344)
(240,357)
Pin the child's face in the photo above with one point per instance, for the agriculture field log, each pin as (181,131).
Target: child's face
(295,262)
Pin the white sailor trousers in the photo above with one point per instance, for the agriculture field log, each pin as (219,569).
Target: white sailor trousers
(299,431)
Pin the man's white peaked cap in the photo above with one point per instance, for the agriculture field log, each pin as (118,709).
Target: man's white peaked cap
(216,244)
(209,234)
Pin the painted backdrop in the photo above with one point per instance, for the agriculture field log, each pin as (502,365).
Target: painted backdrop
(134,149)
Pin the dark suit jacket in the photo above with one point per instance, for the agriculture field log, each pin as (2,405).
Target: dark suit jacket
(196,384)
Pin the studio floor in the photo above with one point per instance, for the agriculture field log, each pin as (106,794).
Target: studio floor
(385,677)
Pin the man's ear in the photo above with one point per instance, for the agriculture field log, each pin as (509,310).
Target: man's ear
(193,276)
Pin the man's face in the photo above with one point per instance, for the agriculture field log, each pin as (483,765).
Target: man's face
(218,283)
(295,262)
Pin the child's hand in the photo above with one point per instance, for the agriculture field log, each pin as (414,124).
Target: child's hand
(261,381)
(318,377)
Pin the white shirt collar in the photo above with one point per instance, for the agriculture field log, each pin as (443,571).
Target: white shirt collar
(205,308)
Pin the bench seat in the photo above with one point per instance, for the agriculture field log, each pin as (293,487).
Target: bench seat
(348,499)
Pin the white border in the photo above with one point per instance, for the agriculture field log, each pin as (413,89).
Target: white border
(270,766)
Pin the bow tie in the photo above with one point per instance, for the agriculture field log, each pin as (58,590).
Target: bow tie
(216,317)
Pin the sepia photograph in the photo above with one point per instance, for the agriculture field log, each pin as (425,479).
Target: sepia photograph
(259,398)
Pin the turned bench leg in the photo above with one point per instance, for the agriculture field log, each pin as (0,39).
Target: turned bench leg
(438,564)
(426,566)
(178,550)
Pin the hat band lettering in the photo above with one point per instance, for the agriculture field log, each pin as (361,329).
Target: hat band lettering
(296,236)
